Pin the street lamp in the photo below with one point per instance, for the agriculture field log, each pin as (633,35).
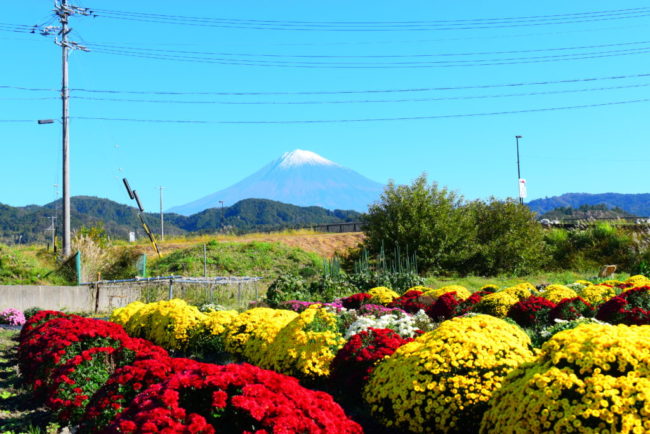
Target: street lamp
(521,199)
(66,190)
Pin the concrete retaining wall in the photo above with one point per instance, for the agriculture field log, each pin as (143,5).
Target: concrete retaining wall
(71,298)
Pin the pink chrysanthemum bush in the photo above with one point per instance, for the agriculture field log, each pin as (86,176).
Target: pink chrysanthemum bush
(12,316)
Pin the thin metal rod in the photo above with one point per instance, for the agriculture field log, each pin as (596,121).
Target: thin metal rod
(521,200)
(162,219)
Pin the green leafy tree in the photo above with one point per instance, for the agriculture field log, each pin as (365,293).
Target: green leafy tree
(421,218)
(508,238)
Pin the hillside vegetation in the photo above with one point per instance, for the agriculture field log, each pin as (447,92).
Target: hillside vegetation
(586,212)
(637,204)
(268,260)
(28,224)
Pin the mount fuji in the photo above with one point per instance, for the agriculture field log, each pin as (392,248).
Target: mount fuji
(301,178)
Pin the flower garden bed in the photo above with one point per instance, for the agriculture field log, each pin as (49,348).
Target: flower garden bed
(572,358)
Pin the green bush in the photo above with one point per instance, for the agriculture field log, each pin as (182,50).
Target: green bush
(508,239)
(430,221)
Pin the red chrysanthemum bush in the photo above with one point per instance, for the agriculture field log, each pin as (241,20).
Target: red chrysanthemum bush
(60,339)
(354,362)
(355,301)
(412,301)
(532,312)
(124,385)
(570,309)
(631,307)
(445,307)
(232,398)
(38,319)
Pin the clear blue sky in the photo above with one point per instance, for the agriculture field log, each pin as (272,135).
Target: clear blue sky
(594,150)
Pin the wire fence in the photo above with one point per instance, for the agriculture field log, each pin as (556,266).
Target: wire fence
(229,292)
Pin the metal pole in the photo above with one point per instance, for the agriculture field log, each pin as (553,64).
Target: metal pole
(162,219)
(64,119)
(205,261)
(521,200)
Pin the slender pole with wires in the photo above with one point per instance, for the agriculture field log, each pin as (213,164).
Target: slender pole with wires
(65,96)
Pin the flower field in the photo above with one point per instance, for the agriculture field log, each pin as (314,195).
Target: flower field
(559,358)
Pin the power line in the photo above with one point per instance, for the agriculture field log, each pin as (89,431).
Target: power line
(365,101)
(338,92)
(471,24)
(363,56)
(363,120)
(378,65)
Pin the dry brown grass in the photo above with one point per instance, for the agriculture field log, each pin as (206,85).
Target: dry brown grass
(324,244)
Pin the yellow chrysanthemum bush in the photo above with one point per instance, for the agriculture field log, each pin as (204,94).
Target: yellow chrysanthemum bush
(637,281)
(499,303)
(462,293)
(597,294)
(206,339)
(306,347)
(442,381)
(251,332)
(382,295)
(165,323)
(593,378)
(419,288)
(557,293)
(122,315)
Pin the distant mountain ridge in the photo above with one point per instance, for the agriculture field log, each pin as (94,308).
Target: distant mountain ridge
(28,224)
(301,178)
(637,204)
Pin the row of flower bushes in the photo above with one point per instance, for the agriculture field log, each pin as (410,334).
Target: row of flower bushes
(91,374)
(429,377)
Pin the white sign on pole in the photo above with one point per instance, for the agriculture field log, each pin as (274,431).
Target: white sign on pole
(131,237)
(522,188)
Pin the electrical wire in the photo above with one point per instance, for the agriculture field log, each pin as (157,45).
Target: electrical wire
(378,65)
(467,24)
(365,101)
(339,92)
(363,56)
(363,120)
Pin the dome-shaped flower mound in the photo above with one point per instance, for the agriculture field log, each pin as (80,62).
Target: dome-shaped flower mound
(306,346)
(462,293)
(121,315)
(594,378)
(631,307)
(498,303)
(571,309)
(445,307)
(597,294)
(557,293)
(531,312)
(638,280)
(252,331)
(232,398)
(358,357)
(356,300)
(382,295)
(442,381)
(411,301)
(165,323)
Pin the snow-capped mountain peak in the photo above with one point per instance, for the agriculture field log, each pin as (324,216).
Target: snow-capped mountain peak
(301,157)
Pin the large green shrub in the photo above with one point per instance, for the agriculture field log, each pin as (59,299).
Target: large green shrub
(425,219)
(508,239)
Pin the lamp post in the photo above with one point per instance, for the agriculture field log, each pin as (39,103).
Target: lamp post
(521,199)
